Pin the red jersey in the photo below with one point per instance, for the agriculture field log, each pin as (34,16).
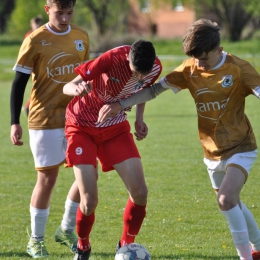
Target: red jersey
(112,80)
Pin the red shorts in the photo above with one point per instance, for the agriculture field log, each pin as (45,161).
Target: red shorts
(111,145)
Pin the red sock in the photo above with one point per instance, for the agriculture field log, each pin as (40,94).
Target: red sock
(133,219)
(84,225)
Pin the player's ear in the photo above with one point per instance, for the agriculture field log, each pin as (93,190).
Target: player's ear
(47,9)
(127,56)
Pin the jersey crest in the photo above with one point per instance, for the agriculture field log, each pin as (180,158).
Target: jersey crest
(79,45)
(227,81)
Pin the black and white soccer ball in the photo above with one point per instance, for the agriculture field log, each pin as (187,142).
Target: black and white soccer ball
(133,251)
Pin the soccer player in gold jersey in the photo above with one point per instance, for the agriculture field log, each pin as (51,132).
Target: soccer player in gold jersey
(219,82)
(50,54)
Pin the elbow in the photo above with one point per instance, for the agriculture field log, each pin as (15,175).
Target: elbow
(65,90)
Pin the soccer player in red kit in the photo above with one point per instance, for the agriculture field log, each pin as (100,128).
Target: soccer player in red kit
(115,75)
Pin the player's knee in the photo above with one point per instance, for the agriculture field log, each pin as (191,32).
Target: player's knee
(140,195)
(89,205)
(226,202)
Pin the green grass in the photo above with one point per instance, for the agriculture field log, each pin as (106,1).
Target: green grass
(183,220)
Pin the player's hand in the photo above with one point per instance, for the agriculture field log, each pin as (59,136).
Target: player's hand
(16,134)
(108,111)
(141,130)
(83,88)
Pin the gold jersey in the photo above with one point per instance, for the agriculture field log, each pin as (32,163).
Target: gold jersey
(219,96)
(51,58)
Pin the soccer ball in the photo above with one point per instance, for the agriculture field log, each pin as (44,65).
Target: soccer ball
(133,251)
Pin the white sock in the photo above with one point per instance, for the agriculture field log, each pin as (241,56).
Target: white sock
(69,218)
(38,222)
(238,229)
(253,230)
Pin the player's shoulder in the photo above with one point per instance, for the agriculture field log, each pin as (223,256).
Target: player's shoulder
(235,59)
(75,28)
(38,32)
(121,50)
(118,53)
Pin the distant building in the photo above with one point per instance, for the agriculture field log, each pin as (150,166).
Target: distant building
(164,21)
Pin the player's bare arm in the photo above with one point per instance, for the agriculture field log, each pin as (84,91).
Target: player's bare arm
(77,87)
(146,94)
(109,110)
(141,129)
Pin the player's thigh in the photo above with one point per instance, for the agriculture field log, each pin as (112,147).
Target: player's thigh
(131,173)
(238,168)
(87,183)
(48,147)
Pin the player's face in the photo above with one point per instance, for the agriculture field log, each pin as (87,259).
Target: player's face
(210,60)
(59,19)
(140,76)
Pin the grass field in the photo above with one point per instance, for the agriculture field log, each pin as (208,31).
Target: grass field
(183,220)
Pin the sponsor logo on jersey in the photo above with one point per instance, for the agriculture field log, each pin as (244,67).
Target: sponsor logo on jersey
(79,45)
(227,81)
(212,108)
(57,67)
(44,43)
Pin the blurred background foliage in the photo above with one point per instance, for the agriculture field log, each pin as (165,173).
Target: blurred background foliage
(107,20)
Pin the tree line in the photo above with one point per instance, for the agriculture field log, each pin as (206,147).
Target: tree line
(101,17)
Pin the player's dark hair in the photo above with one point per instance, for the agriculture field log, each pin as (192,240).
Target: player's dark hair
(37,19)
(142,56)
(202,36)
(63,4)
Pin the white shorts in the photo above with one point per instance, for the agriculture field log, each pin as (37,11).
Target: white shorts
(48,148)
(217,169)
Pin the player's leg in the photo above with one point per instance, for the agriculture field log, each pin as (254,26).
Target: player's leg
(119,152)
(253,232)
(65,233)
(131,173)
(87,182)
(228,200)
(39,211)
(47,149)
(82,154)
(243,163)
